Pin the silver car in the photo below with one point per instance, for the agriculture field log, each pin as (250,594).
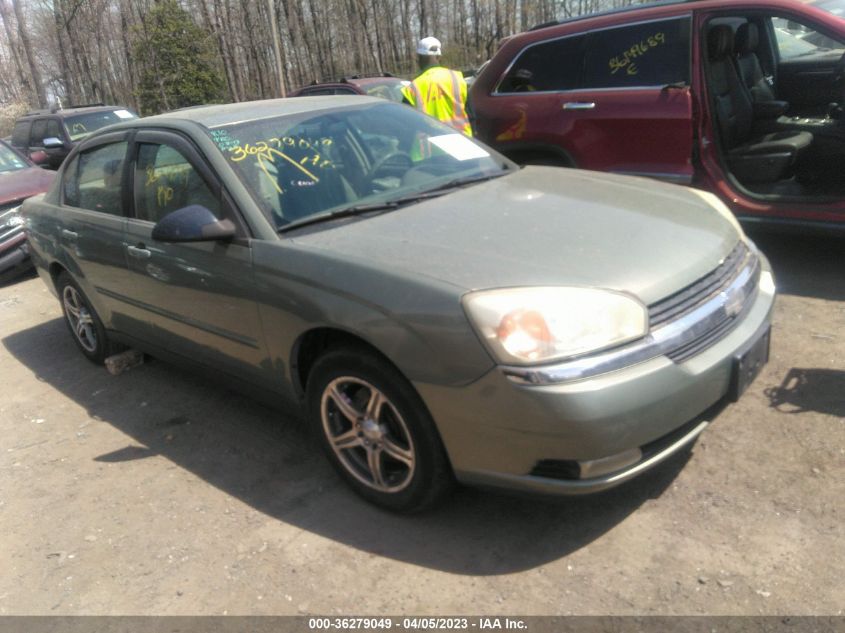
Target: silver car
(438,314)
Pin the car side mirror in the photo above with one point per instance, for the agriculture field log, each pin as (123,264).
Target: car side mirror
(193,223)
(51,142)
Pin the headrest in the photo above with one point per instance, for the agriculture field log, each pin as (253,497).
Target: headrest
(747,38)
(720,42)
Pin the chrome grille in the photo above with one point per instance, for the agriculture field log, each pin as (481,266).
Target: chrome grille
(8,232)
(10,205)
(686,300)
(740,261)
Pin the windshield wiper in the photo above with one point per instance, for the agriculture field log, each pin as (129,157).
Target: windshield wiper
(388,205)
(345,212)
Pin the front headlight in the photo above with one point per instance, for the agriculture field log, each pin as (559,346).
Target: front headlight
(535,325)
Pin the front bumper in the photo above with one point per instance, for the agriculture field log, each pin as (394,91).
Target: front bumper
(498,430)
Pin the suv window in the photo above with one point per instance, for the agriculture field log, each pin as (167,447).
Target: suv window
(797,40)
(39,131)
(92,180)
(53,129)
(81,125)
(166,181)
(553,65)
(20,136)
(647,54)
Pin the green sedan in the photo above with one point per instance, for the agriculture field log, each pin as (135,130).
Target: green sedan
(438,314)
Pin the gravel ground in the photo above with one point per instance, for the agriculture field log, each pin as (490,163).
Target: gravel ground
(156,492)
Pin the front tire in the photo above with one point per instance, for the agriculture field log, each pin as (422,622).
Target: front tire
(84,324)
(376,431)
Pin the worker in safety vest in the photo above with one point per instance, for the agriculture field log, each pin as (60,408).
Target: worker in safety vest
(438,91)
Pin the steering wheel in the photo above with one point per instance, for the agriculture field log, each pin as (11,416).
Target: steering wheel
(393,163)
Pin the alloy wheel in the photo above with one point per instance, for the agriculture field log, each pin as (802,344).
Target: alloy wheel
(80,319)
(367,434)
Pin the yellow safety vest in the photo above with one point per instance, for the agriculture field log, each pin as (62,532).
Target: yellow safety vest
(441,93)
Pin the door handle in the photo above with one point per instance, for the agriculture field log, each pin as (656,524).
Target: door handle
(138,252)
(70,235)
(579,105)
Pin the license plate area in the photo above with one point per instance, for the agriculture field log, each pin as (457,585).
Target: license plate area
(748,363)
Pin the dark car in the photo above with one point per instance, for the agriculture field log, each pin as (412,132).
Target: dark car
(436,316)
(382,85)
(731,97)
(19,179)
(47,136)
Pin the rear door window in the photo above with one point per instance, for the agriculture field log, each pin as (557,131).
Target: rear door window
(20,136)
(548,66)
(647,54)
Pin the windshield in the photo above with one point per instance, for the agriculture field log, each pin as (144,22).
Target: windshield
(836,7)
(314,162)
(10,160)
(81,125)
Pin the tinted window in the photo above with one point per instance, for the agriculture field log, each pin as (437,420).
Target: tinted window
(81,125)
(53,130)
(651,54)
(166,181)
(39,131)
(554,65)
(92,180)
(20,137)
(313,92)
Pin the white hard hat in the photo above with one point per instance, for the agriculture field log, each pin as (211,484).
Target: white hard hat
(429,46)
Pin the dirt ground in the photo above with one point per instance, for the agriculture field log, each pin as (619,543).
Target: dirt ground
(155,492)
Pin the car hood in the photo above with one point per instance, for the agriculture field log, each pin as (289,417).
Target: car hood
(545,226)
(23,183)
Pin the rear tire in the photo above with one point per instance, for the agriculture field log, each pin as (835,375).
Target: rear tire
(376,431)
(84,324)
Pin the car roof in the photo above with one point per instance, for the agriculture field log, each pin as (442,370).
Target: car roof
(212,116)
(65,112)
(664,7)
(357,79)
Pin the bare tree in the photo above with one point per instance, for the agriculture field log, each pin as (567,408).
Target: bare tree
(88,50)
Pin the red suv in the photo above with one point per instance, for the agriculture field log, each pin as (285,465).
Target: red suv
(740,98)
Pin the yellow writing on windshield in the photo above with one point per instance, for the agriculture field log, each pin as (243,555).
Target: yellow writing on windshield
(625,61)
(265,154)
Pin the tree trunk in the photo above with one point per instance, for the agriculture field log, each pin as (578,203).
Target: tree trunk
(38,86)
(24,80)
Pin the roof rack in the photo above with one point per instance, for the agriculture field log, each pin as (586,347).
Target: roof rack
(588,16)
(58,108)
(85,105)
